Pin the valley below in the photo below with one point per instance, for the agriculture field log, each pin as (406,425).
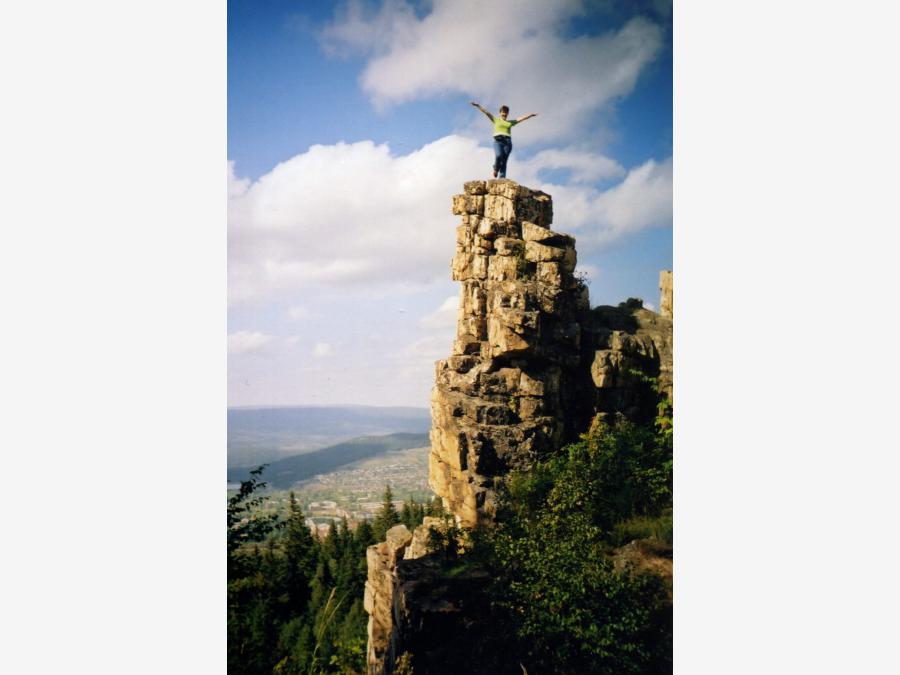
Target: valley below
(343,480)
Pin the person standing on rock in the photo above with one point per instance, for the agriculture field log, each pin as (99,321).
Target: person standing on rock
(502,137)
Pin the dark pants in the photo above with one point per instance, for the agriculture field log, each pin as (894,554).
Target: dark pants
(502,148)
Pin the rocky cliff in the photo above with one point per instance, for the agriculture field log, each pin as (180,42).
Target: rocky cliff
(508,392)
(415,607)
(532,364)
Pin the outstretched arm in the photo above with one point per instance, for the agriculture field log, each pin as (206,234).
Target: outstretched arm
(528,116)
(489,116)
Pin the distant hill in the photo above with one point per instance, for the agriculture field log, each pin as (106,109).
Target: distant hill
(259,435)
(285,472)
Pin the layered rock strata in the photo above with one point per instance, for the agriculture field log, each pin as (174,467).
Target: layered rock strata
(501,398)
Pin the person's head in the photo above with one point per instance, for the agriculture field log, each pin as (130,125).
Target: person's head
(504,111)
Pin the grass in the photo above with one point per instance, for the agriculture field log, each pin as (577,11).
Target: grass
(643,527)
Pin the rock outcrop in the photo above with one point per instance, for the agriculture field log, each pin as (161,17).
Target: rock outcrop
(665,294)
(532,364)
(629,343)
(507,394)
(646,555)
(409,605)
(379,594)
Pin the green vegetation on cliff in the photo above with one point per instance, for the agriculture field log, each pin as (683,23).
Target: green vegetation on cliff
(295,601)
(564,597)
(556,587)
(556,584)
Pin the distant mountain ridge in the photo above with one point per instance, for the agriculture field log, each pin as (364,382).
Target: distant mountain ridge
(258,434)
(285,472)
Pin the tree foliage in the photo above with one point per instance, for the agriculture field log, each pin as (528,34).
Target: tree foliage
(557,600)
(244,523)
(295,601)
(387,516)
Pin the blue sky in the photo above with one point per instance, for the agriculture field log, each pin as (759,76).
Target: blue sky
(348,131)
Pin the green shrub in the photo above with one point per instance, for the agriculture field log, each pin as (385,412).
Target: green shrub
(557,601)
(447,540)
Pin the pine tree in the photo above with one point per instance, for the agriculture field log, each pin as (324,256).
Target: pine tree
(344,536)
(406,515)
(418,514)
(321,585)
(244,523)
(436,508)
(363,538)
(300,557)
(350,654)
(330,542)
(387,517)
(346,578)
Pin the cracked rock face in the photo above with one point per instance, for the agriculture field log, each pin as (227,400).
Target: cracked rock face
(497,402)
(623,341)
(531,365)
(531,362)
(378,601)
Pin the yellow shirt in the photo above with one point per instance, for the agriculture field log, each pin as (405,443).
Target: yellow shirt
(502,126)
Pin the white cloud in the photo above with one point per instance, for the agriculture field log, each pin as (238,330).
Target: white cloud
(356,215)
(299,313)
(416,359)
(322,349)
(236,186)
(244,342)
(596,217)
(643,199)
(358,29)
(350,215)
(501,52)
(428,349)
(650,306)
(584,167)
(443,317)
